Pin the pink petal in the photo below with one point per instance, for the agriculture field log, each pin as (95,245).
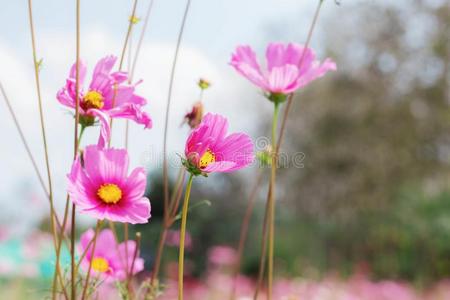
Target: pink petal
(122,95)
(106,242)
(279,55)
(316,71)
(136,184)
(135,212)
(80,188)
(140,211)
(283,79)
(220,166)
(64,98)
(217,126)
(237,148)
(81,71)
(105,128)
(132,112)
(106,166)
(244,61)
(101,77)
(195,138)
(119,77)
(86,237)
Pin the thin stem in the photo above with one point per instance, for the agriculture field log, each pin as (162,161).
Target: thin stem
(166,123)
(173,206)
(262,259)
(277,148)
(244,231)
(157,264)
(291,96)
(65,218)
(75,148)
(27,148)
(88,275)
(270,206)
(182,237)
(176,197)
(125,238)
(44,139)
(83,255)
(122,57)
(272,200)
(24,141)
(135,254)
(127,37)
(141,39)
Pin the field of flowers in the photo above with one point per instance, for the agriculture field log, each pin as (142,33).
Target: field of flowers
(347,199)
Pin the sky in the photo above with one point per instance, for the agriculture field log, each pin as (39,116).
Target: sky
(214,28)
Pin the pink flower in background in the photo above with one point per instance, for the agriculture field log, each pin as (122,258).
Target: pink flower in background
(110,259)
(222,255)
(108,92)
(100,187)
(209,149)
(289,67)
(173,239)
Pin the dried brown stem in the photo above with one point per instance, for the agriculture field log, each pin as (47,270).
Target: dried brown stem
(244,231)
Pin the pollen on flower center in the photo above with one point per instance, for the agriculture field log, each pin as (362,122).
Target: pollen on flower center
(109,193)
(207,158)
(100,264)
(92,99)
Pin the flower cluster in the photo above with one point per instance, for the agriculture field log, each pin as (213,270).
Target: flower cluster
(100,184)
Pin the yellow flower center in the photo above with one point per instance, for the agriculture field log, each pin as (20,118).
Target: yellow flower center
(109,193)
(207,158)
(100,264)
(93,99)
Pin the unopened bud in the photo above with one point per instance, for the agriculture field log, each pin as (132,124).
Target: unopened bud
(194,117)
(204,84)
(265,156)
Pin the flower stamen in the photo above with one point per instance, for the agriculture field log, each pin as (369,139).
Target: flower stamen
(100,264)
(93,99)
(109,193)
(207,158)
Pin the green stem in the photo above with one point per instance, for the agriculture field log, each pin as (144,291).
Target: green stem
(66,212)
(182,237)
(272,199)
(88,275)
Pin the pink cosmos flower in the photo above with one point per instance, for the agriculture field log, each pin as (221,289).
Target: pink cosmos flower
(108,92)
(222,255)
(173,239)
(100,187)
(110,260)
(289,67)
(209,149)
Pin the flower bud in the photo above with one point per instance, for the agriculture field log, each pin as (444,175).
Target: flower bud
(194,117)
(265,156)
(204,84)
